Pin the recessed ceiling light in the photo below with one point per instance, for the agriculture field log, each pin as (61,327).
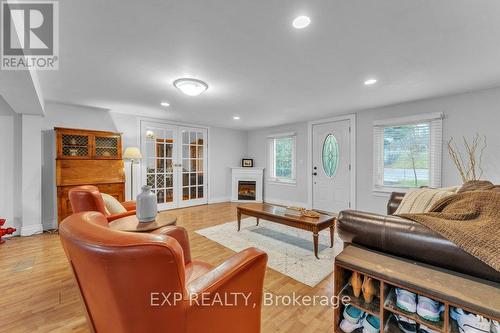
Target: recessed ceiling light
(369,82)
(236,117)
(301,22)
(165,104)
(190,87)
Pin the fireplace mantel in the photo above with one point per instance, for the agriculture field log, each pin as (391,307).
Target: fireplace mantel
(247,175)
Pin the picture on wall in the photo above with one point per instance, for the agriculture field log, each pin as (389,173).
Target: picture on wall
(247,163)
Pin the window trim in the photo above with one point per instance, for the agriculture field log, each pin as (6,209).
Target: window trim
(435,121)
(271,159)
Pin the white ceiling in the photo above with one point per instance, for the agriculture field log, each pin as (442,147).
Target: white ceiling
(124,56)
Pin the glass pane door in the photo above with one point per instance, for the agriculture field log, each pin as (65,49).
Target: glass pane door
(158,162)
(193,157)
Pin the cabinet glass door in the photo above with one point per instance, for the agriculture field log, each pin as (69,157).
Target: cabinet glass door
(75,146)
(106,146)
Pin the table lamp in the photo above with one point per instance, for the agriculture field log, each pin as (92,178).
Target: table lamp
(132,154)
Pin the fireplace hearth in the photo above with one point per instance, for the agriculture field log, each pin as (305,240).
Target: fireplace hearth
(247,190)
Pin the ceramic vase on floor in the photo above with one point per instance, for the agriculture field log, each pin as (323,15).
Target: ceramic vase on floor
(146,205)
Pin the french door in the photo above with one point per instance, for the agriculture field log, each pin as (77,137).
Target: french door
(174,164)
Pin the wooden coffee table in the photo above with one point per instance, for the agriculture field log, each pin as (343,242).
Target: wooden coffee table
(131,223)
(277,214)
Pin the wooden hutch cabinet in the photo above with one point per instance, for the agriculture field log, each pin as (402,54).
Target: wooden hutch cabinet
(86,157)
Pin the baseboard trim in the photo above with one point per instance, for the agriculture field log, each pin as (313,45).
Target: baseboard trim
(285,202)
(31,230)
(218,200)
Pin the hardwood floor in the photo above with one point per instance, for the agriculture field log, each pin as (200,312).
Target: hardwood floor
(38,293)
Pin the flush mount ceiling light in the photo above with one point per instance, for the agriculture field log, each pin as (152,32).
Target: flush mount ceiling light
(236,117)
(369,82)
(190,87)
(165,104)
(301,22)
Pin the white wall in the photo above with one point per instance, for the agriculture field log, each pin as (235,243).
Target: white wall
(226,148)
(295,195)
(465,114)
(10,174)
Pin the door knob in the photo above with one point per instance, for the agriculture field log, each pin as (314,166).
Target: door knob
(315,173)
(315,168)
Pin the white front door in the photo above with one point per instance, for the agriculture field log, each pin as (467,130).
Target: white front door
(174,164)
(331,166)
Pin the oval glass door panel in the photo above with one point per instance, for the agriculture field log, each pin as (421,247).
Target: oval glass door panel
(330,155)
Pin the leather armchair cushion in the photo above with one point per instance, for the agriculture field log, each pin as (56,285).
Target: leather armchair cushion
(112,205)
(408,239)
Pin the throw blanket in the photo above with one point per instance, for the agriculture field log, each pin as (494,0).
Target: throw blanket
(471,220)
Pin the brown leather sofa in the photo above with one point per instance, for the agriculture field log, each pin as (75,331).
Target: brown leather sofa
(402,237)
(117,272)
(88,198)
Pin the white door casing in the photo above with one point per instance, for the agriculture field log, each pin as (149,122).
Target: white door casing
(174,164)
(331,165)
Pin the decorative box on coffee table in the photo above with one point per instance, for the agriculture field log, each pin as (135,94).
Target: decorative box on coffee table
(452,289)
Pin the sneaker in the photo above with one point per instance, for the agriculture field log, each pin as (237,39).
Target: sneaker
(371,324)
(352,314)
(495,327)
(455,313)
(353,319)
(471,323)
(429,309)
(425,329)
(406,300)
(406,325)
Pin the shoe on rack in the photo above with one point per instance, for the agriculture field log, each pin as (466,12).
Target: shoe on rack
(356,282)
(406,325)
(455,313)
(353,319)
(429,309)
(371,324)
(406,300)
(368,289)
(495,327)
(471,323)
(425,329)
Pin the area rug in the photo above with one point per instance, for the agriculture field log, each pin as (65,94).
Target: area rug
(290,250)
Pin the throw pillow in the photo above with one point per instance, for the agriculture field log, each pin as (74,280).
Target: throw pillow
(421,200)
(113,206)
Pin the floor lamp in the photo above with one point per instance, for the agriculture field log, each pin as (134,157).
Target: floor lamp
(132,154)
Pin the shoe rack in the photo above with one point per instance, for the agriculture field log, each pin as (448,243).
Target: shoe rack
(387,272)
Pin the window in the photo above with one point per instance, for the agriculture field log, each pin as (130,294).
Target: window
(408,152)
(282,158)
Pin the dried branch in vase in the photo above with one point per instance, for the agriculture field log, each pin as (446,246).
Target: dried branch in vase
(469,161)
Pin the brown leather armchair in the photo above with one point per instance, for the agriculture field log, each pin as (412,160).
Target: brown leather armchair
(117,272)
(402,237)
(88,198)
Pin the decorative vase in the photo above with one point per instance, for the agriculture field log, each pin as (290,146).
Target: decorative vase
(146,209)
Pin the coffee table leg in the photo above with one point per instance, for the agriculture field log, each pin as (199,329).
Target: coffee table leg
(315,241)
(257,221)
(239,219)
(332,232)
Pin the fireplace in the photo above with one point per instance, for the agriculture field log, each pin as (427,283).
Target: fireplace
(247,190)
(246,184)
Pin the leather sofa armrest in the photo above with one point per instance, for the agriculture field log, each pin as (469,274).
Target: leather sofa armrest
(113,217)
(353,225)
(129,205)
(243,271)
(394,202)
(180,235)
